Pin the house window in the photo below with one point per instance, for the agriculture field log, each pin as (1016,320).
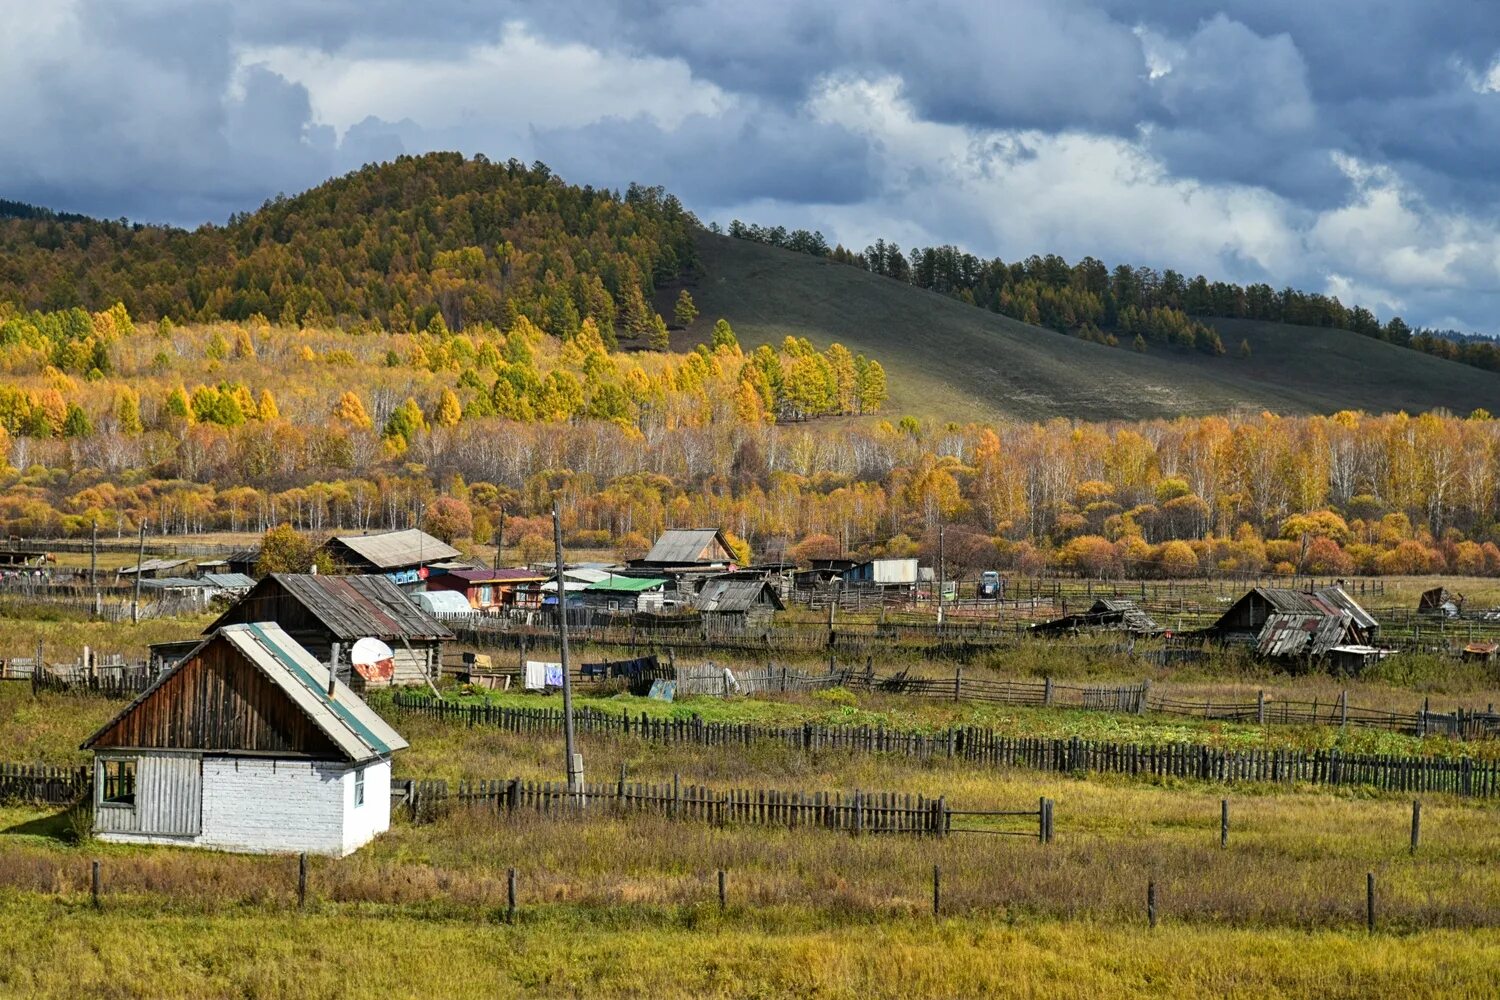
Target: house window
(119,782)
(359,786)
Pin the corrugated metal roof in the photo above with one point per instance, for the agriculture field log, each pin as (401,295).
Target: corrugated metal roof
(735,595)
(352,726)
(230,581)
(627,584)
(151,566)
(446,602)
(350,607)
(1302,634)
(495,575)
(686,546)
(395,549)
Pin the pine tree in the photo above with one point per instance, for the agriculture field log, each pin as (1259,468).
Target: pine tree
(1139,345)
(872,388)
(723,336)
(267,406)
(685,311)
(127,411)
(658,338)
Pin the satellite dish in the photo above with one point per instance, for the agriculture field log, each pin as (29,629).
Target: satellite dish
(373,660)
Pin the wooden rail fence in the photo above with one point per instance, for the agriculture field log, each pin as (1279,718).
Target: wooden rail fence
(983,746)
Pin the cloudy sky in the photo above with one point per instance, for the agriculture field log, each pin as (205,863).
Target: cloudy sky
(1334,145)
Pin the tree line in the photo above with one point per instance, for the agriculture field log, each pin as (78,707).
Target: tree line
(1092,300)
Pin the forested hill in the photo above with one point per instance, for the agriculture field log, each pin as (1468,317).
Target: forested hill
(949,359)
(392,244)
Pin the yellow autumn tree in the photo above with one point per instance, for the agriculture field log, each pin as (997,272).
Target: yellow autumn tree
(449,410)
(351,412)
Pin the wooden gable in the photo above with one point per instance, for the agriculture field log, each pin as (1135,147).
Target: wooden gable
(216,701)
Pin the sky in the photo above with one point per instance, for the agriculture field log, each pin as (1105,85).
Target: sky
(1331,145)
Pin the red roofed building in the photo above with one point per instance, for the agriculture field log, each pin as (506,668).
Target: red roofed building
(486,590)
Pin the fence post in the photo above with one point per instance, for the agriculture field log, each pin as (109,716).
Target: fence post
(1047,691)
(302,880)
(723,894)
(1151,903)
(1041,820)
(1416,824)
(1260,709)
(1051,831)
(937,890)
(1344,707)
(1223,822)
(620,787)
(510,895)
(94,883)
(1370,902)
(676,793)
(958,682)
(1140,706)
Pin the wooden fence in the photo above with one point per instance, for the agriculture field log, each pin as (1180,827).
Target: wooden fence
(50,785)
(855,812)
(982,746)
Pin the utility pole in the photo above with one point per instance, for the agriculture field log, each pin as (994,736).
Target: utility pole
(575,760)
(942,573)
(140,557)
(94,563)
(499,537)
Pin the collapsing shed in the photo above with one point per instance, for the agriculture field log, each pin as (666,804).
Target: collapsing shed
(1289,624)
(1438,601)
(1105,613)
(318,611)
(245,745)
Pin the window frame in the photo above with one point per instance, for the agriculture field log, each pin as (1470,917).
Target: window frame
(126,772)
(359,787)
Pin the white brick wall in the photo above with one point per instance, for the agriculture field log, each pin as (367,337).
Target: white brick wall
(274,806)
(251,804)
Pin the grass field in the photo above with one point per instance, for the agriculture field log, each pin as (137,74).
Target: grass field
(1011,369)
(625,906)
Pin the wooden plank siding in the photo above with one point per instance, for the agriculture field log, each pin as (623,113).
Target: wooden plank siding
(217,702)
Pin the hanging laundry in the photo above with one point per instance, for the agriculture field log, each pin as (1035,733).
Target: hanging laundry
(536,675)
(554,675)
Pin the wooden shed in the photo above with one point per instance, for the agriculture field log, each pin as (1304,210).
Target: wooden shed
(730,605)
(245,745)
(404,556)
(318,611)
(1290,624)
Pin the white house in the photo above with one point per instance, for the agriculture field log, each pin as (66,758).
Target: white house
(243,745)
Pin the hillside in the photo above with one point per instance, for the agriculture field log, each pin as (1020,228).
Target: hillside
(951,360)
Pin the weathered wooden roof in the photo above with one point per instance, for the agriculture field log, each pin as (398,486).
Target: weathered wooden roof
(396,549)
(350,607)
(736,595)
(151,566)
(689,546)
(1300,634)
(352,726)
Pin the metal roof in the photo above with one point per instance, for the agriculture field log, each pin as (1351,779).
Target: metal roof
(627,584)
(443,602)
(174,583)
(350,607)
(735,595)
(395,549)
(493,575)
(352,726)
(686,546)
(229,581)
(150,566)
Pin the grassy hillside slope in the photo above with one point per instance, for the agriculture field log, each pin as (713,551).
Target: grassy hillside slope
(950,360)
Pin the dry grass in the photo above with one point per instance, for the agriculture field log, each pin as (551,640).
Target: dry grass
(69,951)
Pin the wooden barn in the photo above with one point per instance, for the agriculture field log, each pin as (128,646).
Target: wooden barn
(1293,624)
(687,550)
(318,611)
(245,745)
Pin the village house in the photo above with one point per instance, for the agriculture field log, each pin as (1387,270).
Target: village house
(488,591)
(688,550)
(246,744)
(405,557)
(625,594)
(319,611)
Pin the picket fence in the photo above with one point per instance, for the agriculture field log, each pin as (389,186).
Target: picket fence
(854,812)
(985,747)
(37,783)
